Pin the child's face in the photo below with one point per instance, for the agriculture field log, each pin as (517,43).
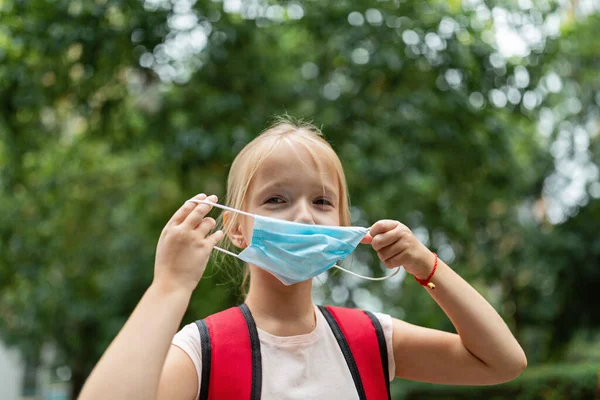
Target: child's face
(288,186)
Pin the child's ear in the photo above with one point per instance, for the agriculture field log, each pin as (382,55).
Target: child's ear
(235,234)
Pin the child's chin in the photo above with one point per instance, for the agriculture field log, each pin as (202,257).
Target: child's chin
(271,278)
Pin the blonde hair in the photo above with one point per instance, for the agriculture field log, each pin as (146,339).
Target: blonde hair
(247,162)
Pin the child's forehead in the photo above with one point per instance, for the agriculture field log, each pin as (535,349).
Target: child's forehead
(294,163)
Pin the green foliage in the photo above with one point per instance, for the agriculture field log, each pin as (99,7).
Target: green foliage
(561,277)
(573,250)
(551,382)
(113,112)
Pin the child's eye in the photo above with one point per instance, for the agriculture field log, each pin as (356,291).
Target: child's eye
(274,200)
(323,202)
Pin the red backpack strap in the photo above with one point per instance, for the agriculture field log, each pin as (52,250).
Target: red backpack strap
(231,360)
(360,337)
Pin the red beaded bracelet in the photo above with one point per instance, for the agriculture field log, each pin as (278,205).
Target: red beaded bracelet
(427,282)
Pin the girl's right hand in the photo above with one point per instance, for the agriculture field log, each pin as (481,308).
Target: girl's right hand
(184,248)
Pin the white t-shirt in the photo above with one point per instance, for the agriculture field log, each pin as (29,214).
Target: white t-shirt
(309,366)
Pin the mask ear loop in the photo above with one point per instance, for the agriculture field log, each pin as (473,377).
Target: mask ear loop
(251,215)
(210,203)
(382,278)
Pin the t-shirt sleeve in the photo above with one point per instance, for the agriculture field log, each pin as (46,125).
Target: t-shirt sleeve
(188,340)
(386,324)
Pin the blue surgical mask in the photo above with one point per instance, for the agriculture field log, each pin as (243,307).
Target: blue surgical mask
(294,252)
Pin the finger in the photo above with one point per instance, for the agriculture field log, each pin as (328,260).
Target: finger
(391,251)
(367,239)
(382,226)
(195,217)
(185,210)
(205,227)
(215,238)
(385,239)
(394,262)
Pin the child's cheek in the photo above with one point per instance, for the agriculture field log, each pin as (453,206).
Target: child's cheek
(247,224)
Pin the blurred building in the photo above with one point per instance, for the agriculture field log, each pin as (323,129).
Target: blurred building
(11,374)
(22,381)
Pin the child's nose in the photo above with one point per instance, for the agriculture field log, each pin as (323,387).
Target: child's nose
(303,213)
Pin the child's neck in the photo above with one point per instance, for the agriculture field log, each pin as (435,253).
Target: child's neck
(281,310)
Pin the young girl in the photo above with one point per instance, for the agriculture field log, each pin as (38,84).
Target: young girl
(299,351)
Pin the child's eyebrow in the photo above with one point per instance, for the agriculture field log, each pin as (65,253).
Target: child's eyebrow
(272,185)
(328,190)
(280,184)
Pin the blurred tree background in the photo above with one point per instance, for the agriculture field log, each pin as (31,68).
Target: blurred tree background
(476,123)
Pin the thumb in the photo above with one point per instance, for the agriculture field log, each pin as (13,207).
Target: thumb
(367,239)
(216,237)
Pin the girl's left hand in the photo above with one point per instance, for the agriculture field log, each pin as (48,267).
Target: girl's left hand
(396,246)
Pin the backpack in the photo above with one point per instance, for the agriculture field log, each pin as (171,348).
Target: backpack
(231,359)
